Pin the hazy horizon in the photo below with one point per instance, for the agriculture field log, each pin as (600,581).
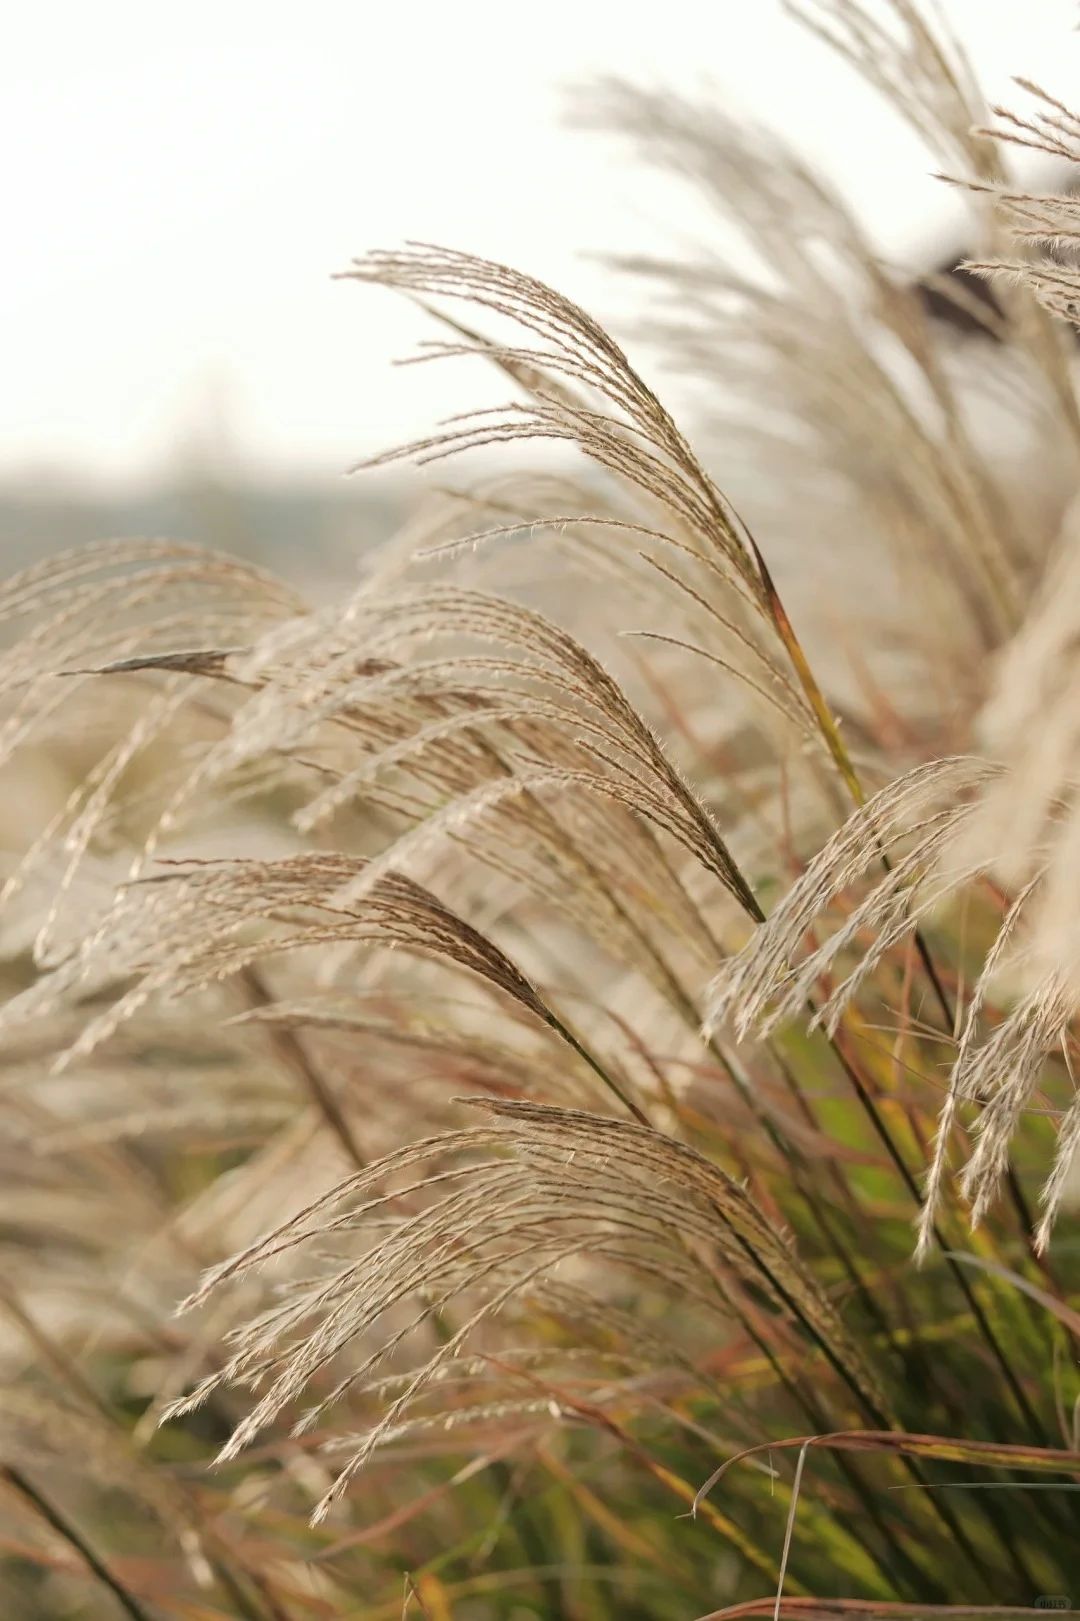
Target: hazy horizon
(183,196)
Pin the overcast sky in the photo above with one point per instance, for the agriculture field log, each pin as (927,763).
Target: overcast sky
(180,181)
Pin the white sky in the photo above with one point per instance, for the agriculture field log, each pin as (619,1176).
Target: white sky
(179,182)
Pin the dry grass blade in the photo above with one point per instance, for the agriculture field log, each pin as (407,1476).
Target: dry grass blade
(917,68)
(564,1185)
(634,438)
(944,818)
(772,978)
(183,931)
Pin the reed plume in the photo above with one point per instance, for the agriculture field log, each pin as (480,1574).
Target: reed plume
(522,1006)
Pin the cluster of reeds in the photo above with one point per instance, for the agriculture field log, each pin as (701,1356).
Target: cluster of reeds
(533,1052)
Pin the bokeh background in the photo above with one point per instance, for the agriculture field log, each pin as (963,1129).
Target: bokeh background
(180,187)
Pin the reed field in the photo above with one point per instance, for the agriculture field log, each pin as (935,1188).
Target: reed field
(544,1085)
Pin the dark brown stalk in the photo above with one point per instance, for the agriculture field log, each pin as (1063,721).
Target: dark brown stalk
(290,1051)
(74,1538)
